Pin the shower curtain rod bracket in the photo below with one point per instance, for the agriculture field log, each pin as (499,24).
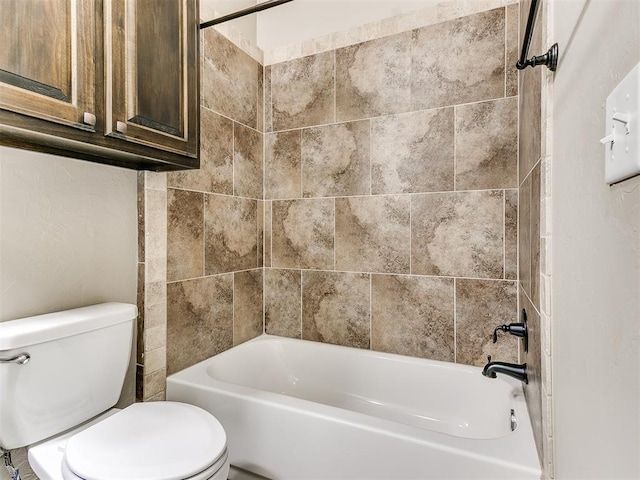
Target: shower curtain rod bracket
(549,59)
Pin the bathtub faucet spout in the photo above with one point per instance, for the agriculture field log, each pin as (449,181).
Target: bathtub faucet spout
(519,372)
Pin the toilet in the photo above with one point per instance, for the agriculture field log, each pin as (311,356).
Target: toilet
(60,376)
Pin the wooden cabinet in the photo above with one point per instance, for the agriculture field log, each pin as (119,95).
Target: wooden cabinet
(46,70)
(112,81)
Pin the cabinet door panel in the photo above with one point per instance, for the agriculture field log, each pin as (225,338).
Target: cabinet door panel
(46,69)
(152,82)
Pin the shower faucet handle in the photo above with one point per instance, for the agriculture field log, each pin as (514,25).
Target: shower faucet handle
(519,330)
(504,328)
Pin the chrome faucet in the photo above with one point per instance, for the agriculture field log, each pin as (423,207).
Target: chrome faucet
(519,372)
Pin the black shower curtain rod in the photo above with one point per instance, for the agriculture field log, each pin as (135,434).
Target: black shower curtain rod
(550,59)
(241,13)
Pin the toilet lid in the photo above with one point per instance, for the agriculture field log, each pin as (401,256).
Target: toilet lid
(154,441)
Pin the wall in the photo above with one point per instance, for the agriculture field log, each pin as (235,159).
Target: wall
(67,240)
(68,234)
(391,186)
(596,250)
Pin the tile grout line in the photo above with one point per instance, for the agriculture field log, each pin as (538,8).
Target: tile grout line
(455,150)
(334,234)
(204,236)
(233,159)
(455,322)
(397,114)
(410,234)
(370,311)
(506,29)
(504,234)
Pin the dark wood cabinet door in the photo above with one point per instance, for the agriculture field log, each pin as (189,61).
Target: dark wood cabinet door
(151,73)
(47,68)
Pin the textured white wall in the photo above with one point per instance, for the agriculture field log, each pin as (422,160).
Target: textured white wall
(68,233)
(596,250)
(303,20)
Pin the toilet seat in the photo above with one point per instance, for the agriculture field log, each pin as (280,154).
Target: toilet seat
(220,466)
(151,441)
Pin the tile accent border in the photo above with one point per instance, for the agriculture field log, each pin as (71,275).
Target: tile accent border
(151,358)
(441,12)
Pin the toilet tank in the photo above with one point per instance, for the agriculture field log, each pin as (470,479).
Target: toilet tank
(78,361)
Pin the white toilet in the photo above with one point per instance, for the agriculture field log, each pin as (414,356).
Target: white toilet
(60,376)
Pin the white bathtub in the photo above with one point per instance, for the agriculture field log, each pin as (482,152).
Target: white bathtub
(294,409)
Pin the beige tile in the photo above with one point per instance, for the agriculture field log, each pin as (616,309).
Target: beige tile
(482,305)
(155,337)
(155,360)
(524,235)
(185,235)
(282,303)
(231,242)
(372,78)
(535,236)
(335,308)
(268,117)
(267,233)
(487,145)
(140,324)
(458,234)
(533,390)
(283,165)
(155,180)
(161,396)
(302,233)
(199,320)
(530,116)
(530,79)
(413,316)
(260,227)
(156,269)
(247,162)
(511,235)
(230,79)
(261,104)
(335,160)
(215,174)
(247,306)
(156,314)
(302,92)
(413,152)
(373,234)
(141,216)
(513,47)
(443,53)
(154,383)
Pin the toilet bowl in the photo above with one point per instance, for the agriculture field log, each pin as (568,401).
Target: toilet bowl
(145,441)
(60,376)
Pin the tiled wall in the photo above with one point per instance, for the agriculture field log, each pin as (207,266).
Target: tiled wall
(534,262)
(382,198)
(214,254)
(391,191)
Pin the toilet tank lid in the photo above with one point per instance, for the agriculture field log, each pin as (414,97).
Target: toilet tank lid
(27,331)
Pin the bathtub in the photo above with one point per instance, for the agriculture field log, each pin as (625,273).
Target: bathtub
(295,409)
